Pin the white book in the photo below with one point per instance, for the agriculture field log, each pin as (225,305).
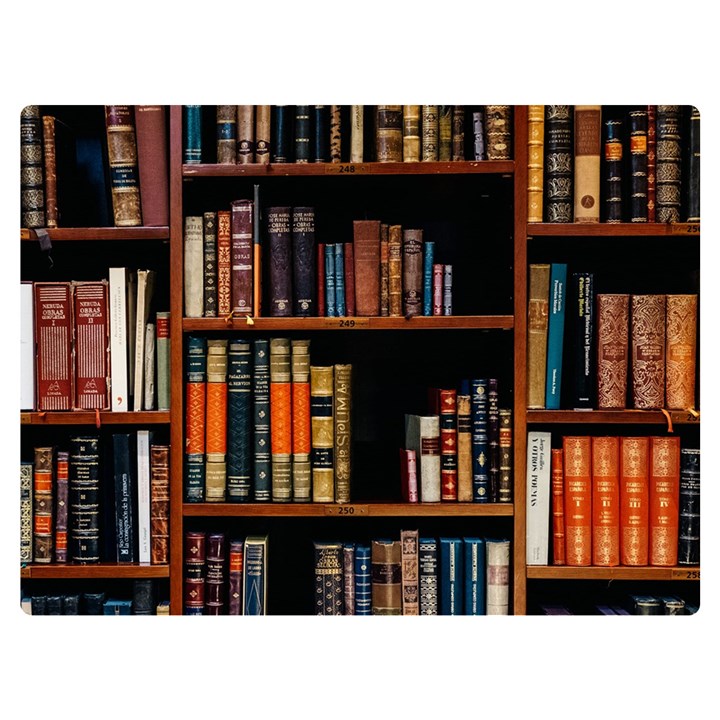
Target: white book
(145,287)
(149,401)
(497,574)
(193,266)
(27,347)
(422,434)
(118,339)
(537,498)
(144,439)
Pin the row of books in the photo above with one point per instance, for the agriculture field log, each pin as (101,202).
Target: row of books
(94,345)
(606,163)
(96,502)
(631,604)
(386,270)
(461,451)
(124,172)
(355,133)
(608,501)
(629,350)
(264,424)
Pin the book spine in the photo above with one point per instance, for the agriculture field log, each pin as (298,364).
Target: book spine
(215,574)
(691,177)
(428,276)
(458,132)
(280,148)
(281,419)
(494,439)
(118,321)
(239,421)
(342,413)
(149,369)
(437,289)
(411,133)
(335,133)
(279,235)
(408,475)
(152,153)
(49,157)
(257,244)
(474,564)
(689,507)
(194,572)
(389,137)
(557,489)
(356,133)
(634,499)
(363,580)
(320,150)
(84,494)
(43,486)
(162,357)
(348,561)
(538,319)
(556,332)
(224,288)
(26,512)
(648,335)
(125,512)
(505,483)
(613,322)
(451,576)
(498,131)
(384,270)
(159,504)
(32,180)
(303,133)
(123,162)
(144,509)
(681,349)
(605,501)
(497,588)
(192,134)
(330,296)
(27,346)
(303,261)
(366,252)
(216,421)
(340,279)
(245,148)
(577,455)
(386,569)
(478,129)
(412,271)
(447,290)
(638,144)
(651,161)
(539,462)
(262,463)
(235,575)
(145,288)
(668,164)
(612,164)
(395,275)
(444,132)
(321,282)
(255,575)
(584,340)
(448,446)
(301,431)
(464,446)
(410,572)
(587,138)
(195,404)
(427,451)
(558,159)
(664,498)
(226,134)
(536,144)
(428,576)
(328,578)
(241,256)
(323,441)
(430,129)
(263,138)
(480,449)
(193,266)
(210,264)
(349,271)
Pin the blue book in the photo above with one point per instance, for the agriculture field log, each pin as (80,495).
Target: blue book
(556,330)
(124,477)
(428,571)
(195,372)
(330,307)
(451,576)
(117,607)
(262,467)
(428,260)
(479,440)
(475,573)
(239,421)
(192,134)
(363,580)
(255,572)
(340,280)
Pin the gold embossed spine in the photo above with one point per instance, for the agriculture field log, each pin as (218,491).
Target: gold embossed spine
(536,131)
(664,504)
(634,499)
(612,350)
(648,351)
(681,335)
(411,133)
(577,455)
(606,501)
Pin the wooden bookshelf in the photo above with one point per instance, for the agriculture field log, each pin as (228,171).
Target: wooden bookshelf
(100,571)
(99,233)
(622,417)
(613,230)
(104,417)
(557,572)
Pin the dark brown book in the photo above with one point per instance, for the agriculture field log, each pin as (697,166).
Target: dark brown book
(123,161)
(445,122)
(430,133)
(152,151)
(279,235)
(412,272)
(613,326)
(262,134)
(32,180)
(458,132)
(366,250)
(194,575)
(226,142)
(50,168)
(498,132)
(648,351)
(215,574)
(411,133)
(210,264)
(245,152)
(241,255)
(386,562)
(384,270)
(159,504)
(43,501)
(389,138)
(62,506)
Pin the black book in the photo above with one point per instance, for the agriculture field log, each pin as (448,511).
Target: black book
(85,501)
(582,310)
(558,174)
(637,146)
(691,182)
(303,261)
(612,164)
(210,279)
(38,605)
(279,235)
(71,605)
(689,507)
(125,481)
(320,151)
(143,597)
(53,605)
(303,133)
(92,603)
(282,117)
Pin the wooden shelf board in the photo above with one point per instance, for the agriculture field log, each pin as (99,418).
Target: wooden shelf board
(564,572)
(635,417)
(100,233)
(99,570)
(83,417)
(612,229)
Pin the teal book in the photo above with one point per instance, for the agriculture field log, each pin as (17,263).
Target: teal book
(192,134)
(556,330)
(451,576)
(428,261)
(474,575)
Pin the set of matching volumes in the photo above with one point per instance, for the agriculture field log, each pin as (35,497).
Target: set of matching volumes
(264,424)
(602,163)
(413,575)
(91,503)
(127,170)
(357,133)
(461,451)
(609,501)
(94,345)
(225,576)
(637,351)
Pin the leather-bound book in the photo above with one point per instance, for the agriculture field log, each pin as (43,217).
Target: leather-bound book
(557,300)
(123,161)
(321,282)
(215,574)
(239,420)
(612,164)
(126,511)
(335,133)
(412,271)
(410,580)
(458,132)
(195,403)
(262,467)
(224,287)
(328,578)
(538,320)
(281,133)
(634,500)
(235,576)
(428,290)
(84,494)
(448,445)
(681,351)
(689,507)
(193,266)
(411,133)
(216,420)
(651,161)
(263,116)
(447,292)
(538,508)
(255,575)
(152,152)
(647,333)
(422,434)
(638,146)
(478,136)
(159,504)
(143,597)
(691,177)
(464,444)
(582,310)
(192,134)
(92,360)
(301,431)
(71,604)
(557,505)
(341,309)
(428,575)
(384,270)
(389,138)
(664,495)
(302,133)
(43,489)
(498,131)
(386,559)
(445,132)
(613,325)
(437,289)
(480,441)
(577,454)
(241,256)
(451,576)
(281,419)
(53,342)
(342,413)
(363,580)
(59,168)
(475,579)
(92,603)
(320,146)
(356,133)
(668,164)
(26,511)
(605,501)
(408,476)
(210,264)
(536,144)
(366,252)
(323,433)
(226,134)
(303,261)
(395,277)
(586,181)
(505,490)
(279,235)
(32,171)
(194,572)
(558,158)
(430,133)
(349,272)
(348,562)
(330,295)
(245,148)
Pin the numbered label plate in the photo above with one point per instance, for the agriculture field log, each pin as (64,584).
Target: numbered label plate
(345,169)
(348,510)
(685,228)
(689,574)
(351,323)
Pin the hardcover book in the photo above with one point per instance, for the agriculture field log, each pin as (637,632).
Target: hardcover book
(648,335)
(320,146)
(335,133)
(384,270)
(235,576)
(119,329)
(538,319)
(255,575)
(480,440)
(668,164)
(428,281)
(422,434)
(262,134)
(323,433)
(451,576)
(386,568)
(691,171)
(651,161)
(577,453)
(363,580)
(497,590)
(638,119)
(493,432)
(144,509)
(349,272)
(583,334)
(162,357)
(458,132)
(464,444)
(681,347)
(348,560)
(192,134)
(193,266)
(613,324)
(302,133)
(366,252)
(215,574)
(123,161)
(557,503)
(430,128)
(559,159)
(195,404)
(505,489)
(475,580)
(159,504)
(342,414)
(261,468)
(210,264)
(125,497)
(194,572)
(448,445)
(27,346)
(59,158)
(356,133)
(605,501)
(241,256)
(408,476)
(410,572)
(689,507)
(428,576)
(226,134)
(340,307)
(536,144)
(498,131)
(329,581)
(612,164)
(586,179)
(26,512)
(478,133)
(556,332)
(224,273)
(634,499)
(143,597)
(43,490)
(412,271)
(395,274)
(62,497)
(145,293)
(301,431)
(444,132)
(303,261)
(32,174)
(281,419)
(279,235)
(389,137)
(411,133)
(537,501)
(84,499)
(152,153)
(664,498)
(245,131)
(329,275)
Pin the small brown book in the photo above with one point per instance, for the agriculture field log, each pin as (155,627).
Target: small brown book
(389,138)
(366,251)
(411,133)
(412,271)
(538,306)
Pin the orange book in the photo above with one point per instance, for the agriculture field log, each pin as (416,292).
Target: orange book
(606,501)
(577,455)
(281,419)
(558,514)
(664,493)
(195,400)
(216,421)
(634,468)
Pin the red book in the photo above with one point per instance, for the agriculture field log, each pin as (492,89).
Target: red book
(408,475)
(62,469)
(558,515)
(366,240)
(349,280)
(321,279)
(634,497)
(448,445)
(92,349)
(605,501)
(664,493)
(53,342)
(577,454)
(223,263)
(151,134)
(235,575)
(437,289)
(194,580)
(241,255)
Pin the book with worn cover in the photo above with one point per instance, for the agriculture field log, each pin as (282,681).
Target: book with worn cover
(216,562)
(349,272)
(123,161)
(498,131)
(32,172)
(152,153)
(577,453)
(245,132)
(536,144)
(558,160)
(422,434)
(411,133)
(356,133)
(493,433)
(605,500)
(236,549)
(159,504)
(238,423)
(638,146)
(505,442)
(348,569)
(429,133)
(451,576)
(255,575)
(537,333)
(647,337)
(226,134)
(464,443)
(329,581)
(389,137)
(613,325)
(26,512)
(323,433)
(497,588)
(691,161)
(61,182)
(537,502)
(556,332)
(395,277)
(279,235)
(193,266)
(261,466)
(410,572)
(586,171)
(458,132)
(241,256)
(335,133)
(263,115)
(303,261)
(194,572)
(342,414)
(634,500)
(445,132)
(689,507)
(210,264)
(386,574)
(664,498)
(195,404)
(61,509)
(43,501)
(651,161)
(668,163)
(681,324)
(366,253)
(301,432)
(412,271)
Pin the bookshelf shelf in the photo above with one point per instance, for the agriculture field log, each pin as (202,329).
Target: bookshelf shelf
(613,230)
(99,571)
(539,572)
(83,417)
(634,417)
(100,233)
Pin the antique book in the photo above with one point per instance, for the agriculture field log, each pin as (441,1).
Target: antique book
(27,346)
(586,170)
(117,606)
(498,131)
(408,476)
(145,293)
(255,575)
(412,272)
(239,422)
(340,307)
(216,420)
(245,134)
(480,440)
(257,250)
(428,289)
(497,588)
(458,132)
(612,164)
(538,320)
(386,574)
(54,332)
(681,325)
(342,414)
(356,133)
(261,467)
(194,572)
(437,291)
(389,137)
(689,507)
(668,164)
(475,580)
(691,171)
(584,340)
(478,133)
(329,581)
(651,161)
(279,237)
(410,580)
(195,404)
(216,562)
(193,262)
(348,569)
(323,433)
(537,497)
(536,144)
(143,597)
(335,133)
(235,576)
(451,576)
(638,146)
(613,325)
(329,275)
(125,496)
(505,482)
(226,134)
(302,132)
(192,134)
(411,133)
(634,499)
(648,336)
(123,161)
(90,309)
(429,132)
(43,501)
(448,445)
(384,270)
(281,150)
(395,272)
(303,261)
(557,505)
(59,168)
(464,444)
(26,511)
(447,293)
(605,500)
(363,579)
(262,134)
(428,575)
(664,498)
(301,431)
(557,298)
(281,419)
(349,272)
(159,504)
(119,337)
(92,603)
(241,256)
(143,494)
(84,499)
(444,132)
(422,434)
(210,264)
(152,154)
(366,254)
(149,370)
(32,172)
(320,145)
(162,358)
(224,283)
(558,160)
(577,455)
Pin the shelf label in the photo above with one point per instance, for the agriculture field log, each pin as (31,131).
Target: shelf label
(343,509)
(25,419)
(345,169)
(684,228)
(689,574)
(351,323)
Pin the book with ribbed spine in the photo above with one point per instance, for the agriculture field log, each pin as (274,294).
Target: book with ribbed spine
(428,277)
(536,145)
(84,499)
(195,404)
(586,171)
(664,499)
(281,133)
(444,132)
(613,323)
(356,133)
(235,576)
(680,351)
(226,134)
(505,444)
(32,173)
(448,445)
(389,134)
(409,572)
(556,332)
(428,575)
(323,433)
(215,573)
(478,133)
(363,580)
(152,153)
(348,570)
(422,434)
(239,420)
(411,133)
(458,132)
(386,569)
(340,305)
(194,277)
(342,415)
(480,443)
(429,150)
(558,159)
(192,134)
(330,296)
(497,588)
(583,334)
(493,433)
(395,277)
(384,270)
(451,576)
(59,167)
(245,134)
(537,504)
(262,467)
(349,272)
(26,512)
(437,290)
(668,164)
(605,501)
(647,338)
(498,131)
(474,564)
(537,331)
(241,256)
(210,264)
(577,454)
(255,575)
(689,507)
(557,505)
(216,420)
(303,261)
(464,443)
(279,236)
(634,500)
(301,432)
(123,162)
(638,146)
(651,161)
(162,358)
(412,271)
(43,501)
(159,504)
(224,286)
(262,134)
(366,253)
(328,578)
(281,419)
(691,162)
(302,133)
(612,164)
(194,572)
(125,468)
(335,133)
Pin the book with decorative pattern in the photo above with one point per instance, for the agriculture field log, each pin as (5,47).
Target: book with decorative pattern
(194,572)
(329,580)
(236,549)
(279,236)
(537,332)
(634,499)
(475,580)
(464,443)
(448,445)
(335,133)
(691,162)
(195,403)
(245,134)
(458,132)
(261,466)
(557,503)
(342,414)
(357,117)
(210,264)
(226,134)
(84,499)
(224,288)
(612,164)
(323,433)
(159,504)
(340,307)
(32,173)
(429,132)
(384,270)
(241,256)
(389,136)
(281,419)
(664,498)
(681,351)
(216,420)
(497,589)
(363,580)
(647,337)
(497,121)
(651,160)
(348,569)
(505,442)
(638,145)
(215,574)
(412,271)
(577,452)
(410,572)
(411,133)
(26,511)
(480,440)
(605,501)
(668,164)
(43,500)
(451,576)
(262,134)
(301,432)
(123,162)
(558,160)
(536,144)
(689,507)
(586,170)
(255,575)
(428,575)
(239,421)
(613,322)
(303,261)
(395,276)
(444,132)
(386,569)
